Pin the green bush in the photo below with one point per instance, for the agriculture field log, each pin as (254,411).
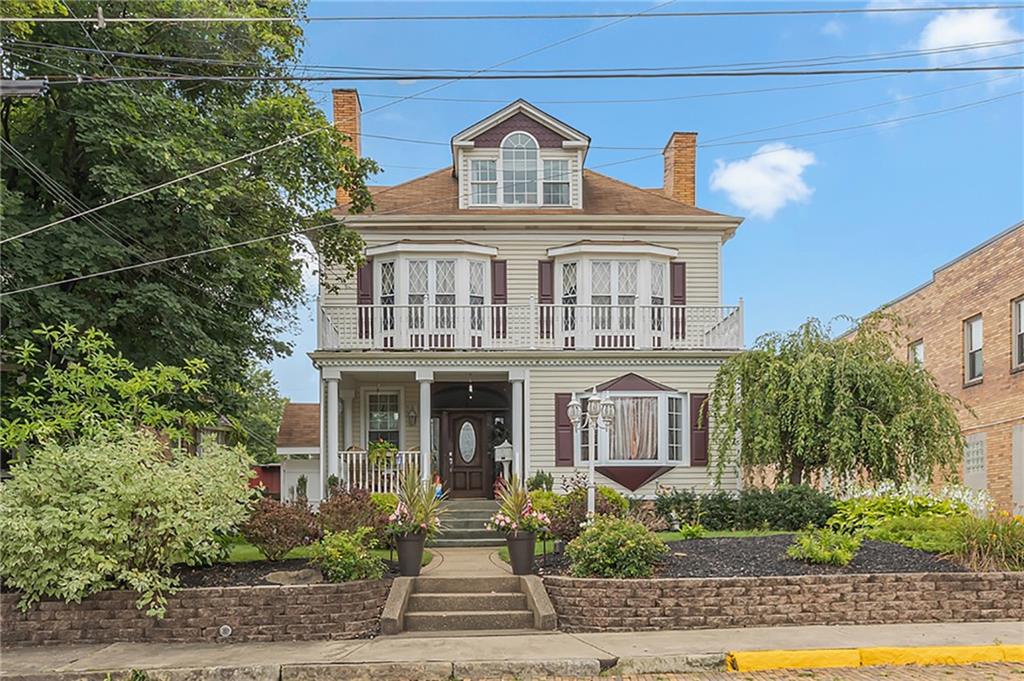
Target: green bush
(859,513)
(571,512)
(995,543)
(346,556)
(824,546)
(116,512)
(617,502)
(349,510)
(787,507)
(544,501)
(541,480)
(935,535)
(614,547)
(385,502)
(276,527)
(691,531)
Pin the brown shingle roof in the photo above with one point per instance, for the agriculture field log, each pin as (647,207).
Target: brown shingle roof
(438,194)
(300,425)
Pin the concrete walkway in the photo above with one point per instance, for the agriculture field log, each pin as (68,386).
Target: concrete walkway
(484,656)
(466,562)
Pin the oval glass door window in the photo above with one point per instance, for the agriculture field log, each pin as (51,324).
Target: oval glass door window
(467,442)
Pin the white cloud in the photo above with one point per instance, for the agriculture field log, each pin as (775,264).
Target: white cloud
(762,184)
(834,28)
(962,27)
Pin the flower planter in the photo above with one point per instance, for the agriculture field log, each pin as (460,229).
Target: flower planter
(520,552)
(410,553)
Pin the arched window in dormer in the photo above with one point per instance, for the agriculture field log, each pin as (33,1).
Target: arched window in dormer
(519,169)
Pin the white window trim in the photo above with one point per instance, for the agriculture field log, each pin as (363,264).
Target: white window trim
(543,154)
(911,355)
(604,442)
(584,277)
(968,340)
(441,248)
(364,400)
(1017,328)
(462,274)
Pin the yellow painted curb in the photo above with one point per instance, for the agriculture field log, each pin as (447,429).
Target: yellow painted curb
(828,658)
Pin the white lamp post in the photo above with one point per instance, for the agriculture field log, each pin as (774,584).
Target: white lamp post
(599,415)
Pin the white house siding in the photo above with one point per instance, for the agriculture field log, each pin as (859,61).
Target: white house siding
(292,469)
(522,246)
(409,396)
(689,375)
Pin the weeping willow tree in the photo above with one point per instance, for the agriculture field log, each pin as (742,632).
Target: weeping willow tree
(803,402)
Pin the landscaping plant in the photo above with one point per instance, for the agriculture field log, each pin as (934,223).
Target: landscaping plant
(863,508)
(516,514)
(116,511)
(277,527)
(346,556)
(995,543)
(350,510)
(786,507)
(571,514)
(691,531)
(385,502)
(419,509)
(824,546)
(614,547)
(931,534)
(541,480)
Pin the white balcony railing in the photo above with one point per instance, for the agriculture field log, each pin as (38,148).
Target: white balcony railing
(356,471)
(530,327)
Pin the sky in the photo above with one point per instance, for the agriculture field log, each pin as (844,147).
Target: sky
(837,223)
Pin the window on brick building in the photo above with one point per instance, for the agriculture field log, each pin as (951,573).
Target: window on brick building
(973,342)
(1018,333)
(915,352)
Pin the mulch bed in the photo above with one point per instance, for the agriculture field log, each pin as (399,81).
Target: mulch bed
(252,573)
(766,557)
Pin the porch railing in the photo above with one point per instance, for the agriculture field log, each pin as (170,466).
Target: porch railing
(356,471)
(533,326)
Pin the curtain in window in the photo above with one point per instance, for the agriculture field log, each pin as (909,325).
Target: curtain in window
(634,435)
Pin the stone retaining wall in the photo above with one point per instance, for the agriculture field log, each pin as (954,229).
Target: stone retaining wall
(645,604)
(255,613)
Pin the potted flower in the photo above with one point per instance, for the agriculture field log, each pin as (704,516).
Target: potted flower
(520,523)
(382,453)
(416,518)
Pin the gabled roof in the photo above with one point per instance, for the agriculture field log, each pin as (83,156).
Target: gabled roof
(438,194)
(520,106)
(300,425)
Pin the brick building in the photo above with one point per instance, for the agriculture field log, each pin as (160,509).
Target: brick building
(967,326)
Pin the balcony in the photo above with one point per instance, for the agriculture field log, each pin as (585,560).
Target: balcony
(533,326)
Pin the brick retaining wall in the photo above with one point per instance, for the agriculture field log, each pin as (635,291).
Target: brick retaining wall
(255,613)
(644,604)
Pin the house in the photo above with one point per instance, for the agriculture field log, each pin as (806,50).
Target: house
(496,289)
(298,449)
(966,326)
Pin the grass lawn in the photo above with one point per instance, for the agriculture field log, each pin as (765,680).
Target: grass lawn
(665,537)
(245,552)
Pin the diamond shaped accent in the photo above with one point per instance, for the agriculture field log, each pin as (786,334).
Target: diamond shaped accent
(601,277)
(444,274)
(627,278)
(387,279)
(476,278)
(418,276)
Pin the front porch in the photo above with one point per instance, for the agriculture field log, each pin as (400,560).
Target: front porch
(465,427)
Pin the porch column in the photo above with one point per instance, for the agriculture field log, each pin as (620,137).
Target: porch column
(332,429)
(518,465)
(425,378)
(348,401)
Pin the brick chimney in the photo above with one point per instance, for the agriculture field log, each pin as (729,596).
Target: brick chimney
(680,180)
(347,111)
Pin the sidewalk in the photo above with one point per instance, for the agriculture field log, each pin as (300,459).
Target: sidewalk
(484,656)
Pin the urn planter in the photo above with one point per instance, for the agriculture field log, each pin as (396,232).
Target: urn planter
(410,553)
(520,552)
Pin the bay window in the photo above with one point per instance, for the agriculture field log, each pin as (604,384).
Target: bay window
(649,428)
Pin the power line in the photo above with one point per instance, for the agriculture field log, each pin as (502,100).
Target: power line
(520,17)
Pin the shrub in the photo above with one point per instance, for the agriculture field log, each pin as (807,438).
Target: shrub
(385,502)
(346,556)
(116,512)
(935,535)
(787,507)
(349,510)
(614,547)
(691,531)
(544,501)
(867,508)
(717,510)
(824,546)
(571,514)
(276,527)
(541,480)
(618,504)
(995,543)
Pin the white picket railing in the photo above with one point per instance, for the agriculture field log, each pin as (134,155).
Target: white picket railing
(356,471)
(533,326)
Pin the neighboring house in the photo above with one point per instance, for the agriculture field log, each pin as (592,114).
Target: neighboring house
(298,448)
(966,326)
(496,288)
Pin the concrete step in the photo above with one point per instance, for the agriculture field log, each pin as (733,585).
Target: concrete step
(471,503)
(455,602)
(458,523)
(455,533)
(467,543)
(464,585)
(468,620)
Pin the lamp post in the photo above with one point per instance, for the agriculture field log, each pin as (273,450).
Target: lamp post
(599,415)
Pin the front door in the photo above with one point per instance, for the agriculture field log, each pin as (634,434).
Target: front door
(469,464)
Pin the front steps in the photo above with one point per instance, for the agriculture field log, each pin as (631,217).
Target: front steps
(467,604)
(464,524)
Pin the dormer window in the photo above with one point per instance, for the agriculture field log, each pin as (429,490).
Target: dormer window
(519,169)
(556,182)
(483,182)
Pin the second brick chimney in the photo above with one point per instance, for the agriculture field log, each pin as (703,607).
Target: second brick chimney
(680,180)
(347,112)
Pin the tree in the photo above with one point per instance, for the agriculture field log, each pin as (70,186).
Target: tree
(261,416)
(803,402)
(83,145)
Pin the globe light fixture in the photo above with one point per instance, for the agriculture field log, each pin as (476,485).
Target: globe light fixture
(574,411)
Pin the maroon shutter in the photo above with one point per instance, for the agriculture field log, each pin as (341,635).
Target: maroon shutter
(698,429)
(677,287)
(546,297)
(364,296)
(499,296)
(563,430)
